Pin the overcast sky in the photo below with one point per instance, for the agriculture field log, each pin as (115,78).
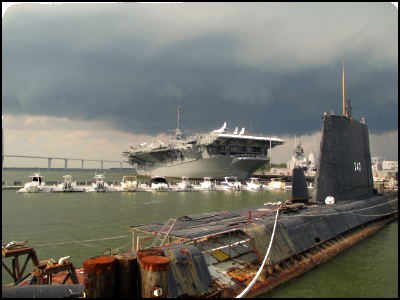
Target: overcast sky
(90,80)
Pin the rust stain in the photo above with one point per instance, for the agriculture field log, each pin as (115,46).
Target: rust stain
(155,263)
(240,274)
(185,252)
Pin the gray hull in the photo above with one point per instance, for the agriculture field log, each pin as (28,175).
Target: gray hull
(216,154)
(216,168)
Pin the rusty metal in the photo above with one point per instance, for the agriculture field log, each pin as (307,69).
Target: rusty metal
(16,273)
(99,264)
(105,250)
(99,274)
(42,271)
(149,252)
(155,263)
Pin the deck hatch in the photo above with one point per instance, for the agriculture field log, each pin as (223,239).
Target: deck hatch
(260,233)
(189,274)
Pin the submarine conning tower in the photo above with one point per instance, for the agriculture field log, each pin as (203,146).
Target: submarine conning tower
(344,165)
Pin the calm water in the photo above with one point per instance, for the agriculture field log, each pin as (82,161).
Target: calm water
(369,269)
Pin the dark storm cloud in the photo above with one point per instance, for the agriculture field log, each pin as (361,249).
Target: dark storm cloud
(128,66)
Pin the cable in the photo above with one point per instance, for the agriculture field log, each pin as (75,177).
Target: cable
(265,259)
(86,241)
(191,122)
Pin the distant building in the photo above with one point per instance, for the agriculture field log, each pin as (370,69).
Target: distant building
(389,165)
(385,170)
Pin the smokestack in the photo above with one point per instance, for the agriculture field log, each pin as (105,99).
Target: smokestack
(344,104)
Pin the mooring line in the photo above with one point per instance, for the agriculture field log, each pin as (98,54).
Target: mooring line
(86,241)
(265,259)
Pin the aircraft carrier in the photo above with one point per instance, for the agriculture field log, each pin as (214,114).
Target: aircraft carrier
(216,154)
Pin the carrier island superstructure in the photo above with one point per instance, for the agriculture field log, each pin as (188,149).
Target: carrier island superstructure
(216,154)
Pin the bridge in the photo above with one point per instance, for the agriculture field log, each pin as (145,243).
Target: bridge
(66,160)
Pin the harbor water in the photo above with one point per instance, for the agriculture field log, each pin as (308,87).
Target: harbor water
(368,269)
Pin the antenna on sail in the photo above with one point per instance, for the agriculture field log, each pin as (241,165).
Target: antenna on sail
(344,104)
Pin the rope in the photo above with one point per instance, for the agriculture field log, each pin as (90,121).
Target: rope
(115,250)
(265,259)
(86,241)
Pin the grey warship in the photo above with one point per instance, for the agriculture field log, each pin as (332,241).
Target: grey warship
(216,154)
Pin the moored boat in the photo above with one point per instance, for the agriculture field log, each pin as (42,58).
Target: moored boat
(254,184)
(185,185)
(98,184)
(130,183)
(159,184)
(207,185)
(35,185)
(276,184)
(231,183)
(68,186)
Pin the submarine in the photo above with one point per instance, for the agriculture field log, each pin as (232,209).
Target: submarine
(247,252)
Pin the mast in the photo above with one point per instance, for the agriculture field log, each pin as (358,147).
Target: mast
(179,108)
(344,105)
(179,133)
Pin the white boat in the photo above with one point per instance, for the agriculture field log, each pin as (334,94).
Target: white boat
(254,184)
(68,186)
(36,184)
(231,183)
(129,183)
(159,184)
(185,184)
(207,184)
(276,184)
(99,185)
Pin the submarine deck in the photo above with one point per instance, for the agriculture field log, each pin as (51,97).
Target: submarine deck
(334,219)
(227,248)
(193,227)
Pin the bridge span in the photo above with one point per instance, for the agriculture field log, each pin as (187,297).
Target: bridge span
(49,159)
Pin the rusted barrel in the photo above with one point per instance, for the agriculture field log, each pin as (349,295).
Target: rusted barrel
(149,252)
(99,274)
(154,276)
(140,255)
(126,276)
